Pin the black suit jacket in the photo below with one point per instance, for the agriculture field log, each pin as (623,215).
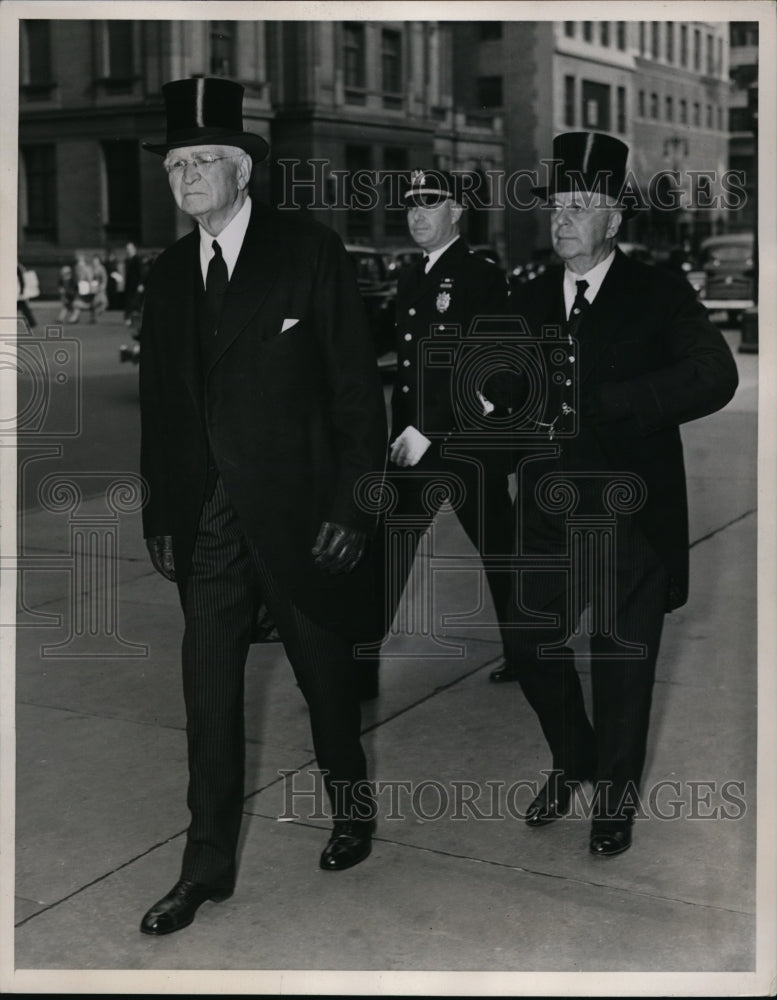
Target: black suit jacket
(649,360)
(294,417)
(434,313)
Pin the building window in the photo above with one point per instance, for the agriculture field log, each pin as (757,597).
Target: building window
(588,31)
(683,44)
(669,41)
(696,113)
(35,55)
(119,50)
(641,104)
(720,119)
(710,55)
(683,111)
(222,48)
(489,91)
(696,49)
(669,108)
(709,116)
(719,63)
(395,160)
(490,30)
(642,38)
(569,100)
(569,29)
(654,39)
(122,182)
(654,105)
(40,171)
(596,105)
(359,222)
(354,51)
(620,35)
(744,33)
(391,62)
(604,32)
(621,99)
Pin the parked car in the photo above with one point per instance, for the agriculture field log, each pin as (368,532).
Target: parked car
(378,288)
(725,274)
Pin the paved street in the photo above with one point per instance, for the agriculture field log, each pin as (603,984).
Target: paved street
(101,769)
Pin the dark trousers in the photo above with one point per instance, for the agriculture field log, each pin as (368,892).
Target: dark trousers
(481,500)
(611,747)
(228,580)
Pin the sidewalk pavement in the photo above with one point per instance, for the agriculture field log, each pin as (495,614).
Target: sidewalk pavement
(101,778)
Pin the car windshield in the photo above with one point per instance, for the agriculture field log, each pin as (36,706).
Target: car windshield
(369,267)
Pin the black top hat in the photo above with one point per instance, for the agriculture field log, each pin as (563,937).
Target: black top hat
(591,162)
(205,110)
(429,188)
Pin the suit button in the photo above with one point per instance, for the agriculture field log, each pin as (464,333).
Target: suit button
(405,388)
(408,336)
(571,359)
(441,326)
(406,363)
(411,311)
(568,382)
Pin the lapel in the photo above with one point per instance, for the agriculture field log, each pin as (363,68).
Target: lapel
(604,318)
(182,294)
(254,276)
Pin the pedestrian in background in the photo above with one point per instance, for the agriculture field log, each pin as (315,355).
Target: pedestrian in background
(133,284)
(22,293)
(68,296)
(638,357)
(261,411)
(99,288)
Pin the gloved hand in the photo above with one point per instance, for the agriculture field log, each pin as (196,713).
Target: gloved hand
(409,448)
(160,548)
(338,549)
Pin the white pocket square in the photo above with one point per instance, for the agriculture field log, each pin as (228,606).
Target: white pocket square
(288,324)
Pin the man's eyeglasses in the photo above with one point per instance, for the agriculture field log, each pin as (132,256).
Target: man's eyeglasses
(202,161)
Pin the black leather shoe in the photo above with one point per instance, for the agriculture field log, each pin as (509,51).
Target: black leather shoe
(503,674)
(552,802)
(350,843)
(176,910)
(613,837)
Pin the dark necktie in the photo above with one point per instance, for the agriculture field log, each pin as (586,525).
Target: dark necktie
(216,286)
(579,308)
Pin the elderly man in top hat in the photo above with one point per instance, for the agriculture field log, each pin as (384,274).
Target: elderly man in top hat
(439,297)
(601,490)
(261,409)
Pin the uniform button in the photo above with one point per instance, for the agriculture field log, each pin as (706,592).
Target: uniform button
(405,388)
(411,311)
(571,359)
(408,336)
(568,382)
(576,312)
(441,326)
(406,363)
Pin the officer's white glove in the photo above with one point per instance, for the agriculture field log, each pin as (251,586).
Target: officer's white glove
(409,448)
(488,406)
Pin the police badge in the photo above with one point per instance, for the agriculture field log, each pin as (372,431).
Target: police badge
(443,301)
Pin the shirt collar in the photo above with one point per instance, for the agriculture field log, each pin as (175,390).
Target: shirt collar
(594,277)
(230,240)
(435,255)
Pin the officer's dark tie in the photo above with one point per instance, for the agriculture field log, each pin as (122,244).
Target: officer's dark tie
(579,308)
(216,286)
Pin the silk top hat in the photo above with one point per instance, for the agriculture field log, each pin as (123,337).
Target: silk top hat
(589,162)
(202,111)
(429,188)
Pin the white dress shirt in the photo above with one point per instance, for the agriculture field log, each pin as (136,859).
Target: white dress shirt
(229,239)
(594,277)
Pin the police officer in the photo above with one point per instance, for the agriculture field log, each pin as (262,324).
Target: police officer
(438,298)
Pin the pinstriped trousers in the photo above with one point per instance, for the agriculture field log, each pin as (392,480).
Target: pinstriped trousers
(610,748)
(228,579)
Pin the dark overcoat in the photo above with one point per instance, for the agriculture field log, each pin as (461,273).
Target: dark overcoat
(649,360)
(295,417)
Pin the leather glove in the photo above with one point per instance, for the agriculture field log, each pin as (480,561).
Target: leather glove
(409,448)
(160,548)
(338,549)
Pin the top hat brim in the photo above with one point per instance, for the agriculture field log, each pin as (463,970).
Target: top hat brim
(545,192)
(249,142)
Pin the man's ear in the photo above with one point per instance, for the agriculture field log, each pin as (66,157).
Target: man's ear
(456,210)
(244,167)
